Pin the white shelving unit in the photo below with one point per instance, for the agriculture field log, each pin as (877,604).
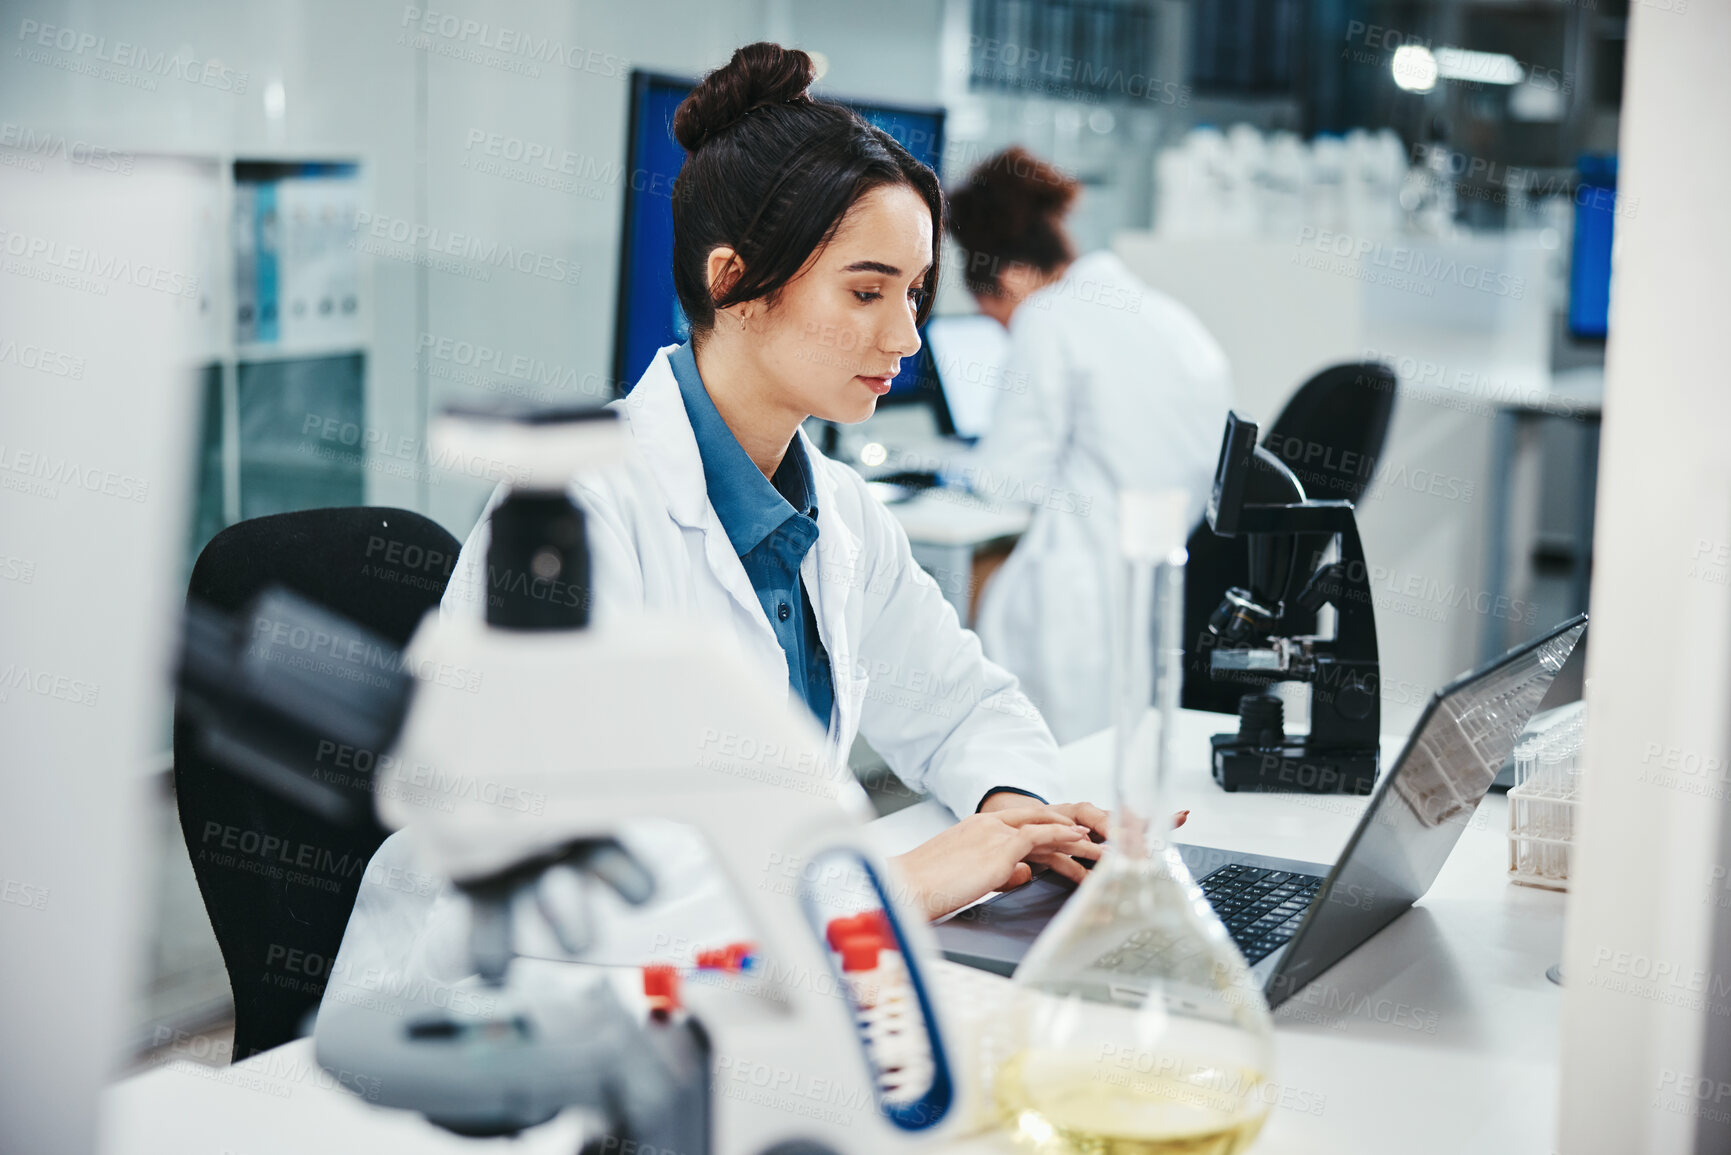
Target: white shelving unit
(230,354)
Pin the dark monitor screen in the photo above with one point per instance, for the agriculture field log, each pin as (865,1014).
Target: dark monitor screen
(649,315)
(1590,258)
(1468,730)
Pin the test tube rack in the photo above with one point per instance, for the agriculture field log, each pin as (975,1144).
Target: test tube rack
(1544,802)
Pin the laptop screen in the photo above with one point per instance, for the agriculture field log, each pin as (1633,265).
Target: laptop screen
(971,356)
(1467,731)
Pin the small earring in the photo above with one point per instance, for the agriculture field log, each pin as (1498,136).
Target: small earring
(741,322)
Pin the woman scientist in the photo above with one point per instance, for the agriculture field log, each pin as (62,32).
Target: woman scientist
(1115,386)
(805,251)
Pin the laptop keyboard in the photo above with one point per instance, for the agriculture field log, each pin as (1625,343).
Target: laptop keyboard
(1261,908)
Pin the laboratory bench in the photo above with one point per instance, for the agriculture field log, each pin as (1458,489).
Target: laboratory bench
(957,536)
(960,539)
(1437,1036)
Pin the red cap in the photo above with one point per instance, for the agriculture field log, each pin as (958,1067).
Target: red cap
(873,922)
(732,958)
(661,987)
(859,952)
(879,923)
(840,928)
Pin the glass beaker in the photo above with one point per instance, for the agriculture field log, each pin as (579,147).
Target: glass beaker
(1136,1027)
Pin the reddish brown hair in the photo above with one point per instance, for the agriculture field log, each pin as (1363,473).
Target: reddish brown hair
(1011,210)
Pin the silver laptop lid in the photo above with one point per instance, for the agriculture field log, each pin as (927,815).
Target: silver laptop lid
(1466,733)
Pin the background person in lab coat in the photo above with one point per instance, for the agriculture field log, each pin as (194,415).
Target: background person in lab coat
(1112,386)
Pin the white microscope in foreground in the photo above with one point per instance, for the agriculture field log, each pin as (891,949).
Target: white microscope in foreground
(611,724)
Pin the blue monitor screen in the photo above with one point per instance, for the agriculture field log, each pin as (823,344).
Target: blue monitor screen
(1590,262)
(649,314)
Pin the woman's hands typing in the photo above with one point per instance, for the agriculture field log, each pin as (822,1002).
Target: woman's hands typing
(1000,847)
(1059,860)
(990,851)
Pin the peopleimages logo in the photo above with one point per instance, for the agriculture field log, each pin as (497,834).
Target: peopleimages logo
(1022,66)
(1413,263)
(474,363)
(22,894)
(88,47)
(510,44)
(31,356)
(1456,61)
(102,266)
(443,242)
(49,145)
(48,684)
(42,475)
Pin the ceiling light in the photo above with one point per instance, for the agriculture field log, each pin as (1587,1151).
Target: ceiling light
(1478,67)
(1415,69)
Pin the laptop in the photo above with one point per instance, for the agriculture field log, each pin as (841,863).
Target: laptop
(970,356)
(1293,920)
(963,370)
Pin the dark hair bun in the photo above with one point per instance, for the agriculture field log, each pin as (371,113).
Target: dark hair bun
(759,74)
(770,173)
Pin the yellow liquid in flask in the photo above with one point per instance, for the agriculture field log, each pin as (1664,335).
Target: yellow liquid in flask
(1067,1103)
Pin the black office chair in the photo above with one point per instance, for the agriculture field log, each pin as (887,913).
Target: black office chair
(1331,435)
(279,882)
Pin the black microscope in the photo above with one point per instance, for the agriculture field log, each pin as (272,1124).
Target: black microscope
(1264,633)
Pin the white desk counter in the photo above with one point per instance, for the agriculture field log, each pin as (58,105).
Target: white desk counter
(1438,1036)
(947,527)
(283,1103)
(956,517)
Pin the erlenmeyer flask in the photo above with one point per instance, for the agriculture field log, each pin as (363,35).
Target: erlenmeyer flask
(1137,1027)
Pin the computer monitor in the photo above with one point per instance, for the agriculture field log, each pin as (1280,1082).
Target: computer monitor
(649,315)
(1590,260)
(970,357)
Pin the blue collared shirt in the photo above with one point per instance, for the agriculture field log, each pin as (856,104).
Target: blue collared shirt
(771,526)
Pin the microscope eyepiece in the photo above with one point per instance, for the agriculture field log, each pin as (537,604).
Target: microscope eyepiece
(538,563)
(538,556)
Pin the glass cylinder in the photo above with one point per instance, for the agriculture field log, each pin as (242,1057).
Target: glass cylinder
(1136,1025)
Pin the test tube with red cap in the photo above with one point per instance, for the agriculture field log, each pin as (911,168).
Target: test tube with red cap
(859,966)
(661,988)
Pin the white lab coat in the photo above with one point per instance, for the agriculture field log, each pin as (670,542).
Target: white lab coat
(1111,385)
(906,675)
